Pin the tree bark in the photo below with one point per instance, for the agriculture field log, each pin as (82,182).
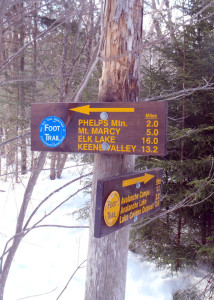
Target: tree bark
(53,166)
(61,164)
(22,97)
(4,4)
(178,240)
(107,256)
(121,51)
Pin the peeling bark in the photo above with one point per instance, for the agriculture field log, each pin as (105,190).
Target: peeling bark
(107,256)
(123,23)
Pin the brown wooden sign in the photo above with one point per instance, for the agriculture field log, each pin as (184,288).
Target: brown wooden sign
(125,199)
(113,128)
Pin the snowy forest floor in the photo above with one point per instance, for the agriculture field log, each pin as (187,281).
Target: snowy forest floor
(49,256)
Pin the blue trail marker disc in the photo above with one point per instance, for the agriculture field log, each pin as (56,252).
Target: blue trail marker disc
(52,131)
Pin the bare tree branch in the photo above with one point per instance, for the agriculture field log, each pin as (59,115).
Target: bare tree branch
(182,93)
(93,62)
(5,267)
(38,295)
(51,194)
(57,23)
(26,229)
(87,76)
(14,139)
(80,266)
(59,226)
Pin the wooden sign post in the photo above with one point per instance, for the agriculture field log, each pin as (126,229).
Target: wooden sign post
(108,128)
(139,129)
(118,124)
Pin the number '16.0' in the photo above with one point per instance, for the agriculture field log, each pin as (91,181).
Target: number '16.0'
(149,140)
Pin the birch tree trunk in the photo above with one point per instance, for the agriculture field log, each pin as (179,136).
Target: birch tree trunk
(22,96)
(12,247)
(107,256)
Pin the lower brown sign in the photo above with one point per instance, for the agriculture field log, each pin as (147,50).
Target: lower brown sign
(125,199)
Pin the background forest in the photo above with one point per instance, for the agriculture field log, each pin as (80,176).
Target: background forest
(49,52)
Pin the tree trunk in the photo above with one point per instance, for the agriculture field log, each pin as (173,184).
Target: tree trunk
(178,241)
(1,150)
(19,234)
(121,51)
(203,228)
(53,166)
(61,164)
(4,4)
(107,256)
(22,97)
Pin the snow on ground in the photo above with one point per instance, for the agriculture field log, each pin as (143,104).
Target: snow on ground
(48,256)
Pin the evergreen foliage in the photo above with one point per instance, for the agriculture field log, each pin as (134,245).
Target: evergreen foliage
(185,236)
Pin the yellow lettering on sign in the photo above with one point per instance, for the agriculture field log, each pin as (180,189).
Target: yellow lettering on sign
(158,188)
(158,181)
(107,131)
(83,144)
(92,122)
(129,198)
(117,130)
(122,148)
(80,147)
(157,203)
(118,123)
(135,213)
(82,130)
(144,194)
(104,139)
(124,218)
(128,207)
(151,116)
(96,130)
(142,202)
(84,139)
(147,208)
(90,147)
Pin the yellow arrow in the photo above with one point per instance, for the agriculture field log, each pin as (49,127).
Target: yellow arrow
(132,181)
(86,109)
